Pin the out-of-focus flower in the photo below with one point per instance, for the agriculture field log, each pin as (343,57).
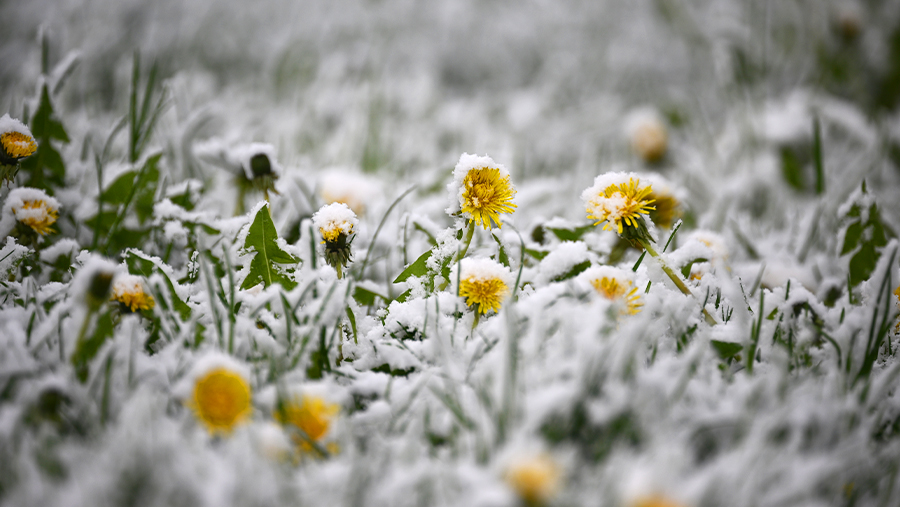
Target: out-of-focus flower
(336,223)
(221,394)
(654,501)
(130,291)
(484,283)
(30,207)
(667,206)
(615,285)
(481,190)
(310,414)
(16,140)
(619,199)
(353,189)
(535,479)
(647,134)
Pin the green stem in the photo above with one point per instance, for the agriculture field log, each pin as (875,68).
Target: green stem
(340,272)
(467,241)
(675,278)
(477,317)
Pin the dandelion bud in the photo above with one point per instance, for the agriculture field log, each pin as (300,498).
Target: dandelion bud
(336,223)
(98,289)
(847,23)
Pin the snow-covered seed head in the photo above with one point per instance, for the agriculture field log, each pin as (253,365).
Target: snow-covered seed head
(16,140)
(617,286)
(484,283)
(130,291)
(619,199)
(310,414)
(535,479)
(483,189)
(221,396)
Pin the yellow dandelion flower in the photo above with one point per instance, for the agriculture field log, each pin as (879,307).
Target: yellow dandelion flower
(310,414)
(483,189)
(619,199)
(648,135)
(333,220)
(615,285)
(534,479)
(17,145)
(129,290)
(30,207)
(484,283)
(221,399)
(15,139)
(668,207)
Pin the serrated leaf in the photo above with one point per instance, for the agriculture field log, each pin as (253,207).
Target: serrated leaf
(863,240)
(262,239)
(418,268)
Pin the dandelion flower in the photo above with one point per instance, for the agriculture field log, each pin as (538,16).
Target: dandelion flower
(615,285)
(310,414)
(16,140)
(535,479)
(221,394)
(484,283)
(129,290)
(353,189)
(619,199)
(30,207)
(647,134)
(481,190)
(667,205)
(336,223)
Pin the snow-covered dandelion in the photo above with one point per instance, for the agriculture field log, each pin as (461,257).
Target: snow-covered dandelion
(535,479)
(619,199)
(310,414)
(484,283)
(482,190)
(130,291)
(337,225)
(221,394)
(16,141)
(654,501)
(667,207)
(647,134)
(617,286)
(30,207)
(353,189)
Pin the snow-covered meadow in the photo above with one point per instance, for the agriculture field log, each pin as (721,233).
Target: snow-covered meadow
(472,253)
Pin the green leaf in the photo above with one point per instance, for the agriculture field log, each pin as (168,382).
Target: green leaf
(366,297)
(565,234)
(417,268)
(262,239)
(864,240)
(536,254)
(86,349)
(574,271)
(145,194)
(117,191)
(501,255)
(726,350)
(792,169)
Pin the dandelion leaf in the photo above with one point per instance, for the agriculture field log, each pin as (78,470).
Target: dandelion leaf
(418,268)
(262,239)
(864,237)
(46,167)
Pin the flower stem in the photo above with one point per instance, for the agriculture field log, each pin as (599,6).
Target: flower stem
(340,272)
(675,278)
(467,240)
(477,317)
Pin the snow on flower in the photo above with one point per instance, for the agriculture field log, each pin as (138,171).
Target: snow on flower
(481,189)
(310,414)
(616,285)
(619,199)
(483,282)
(15,138)
(335,219)
(535,479)
(31,207)
(220,393)
(131,292)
